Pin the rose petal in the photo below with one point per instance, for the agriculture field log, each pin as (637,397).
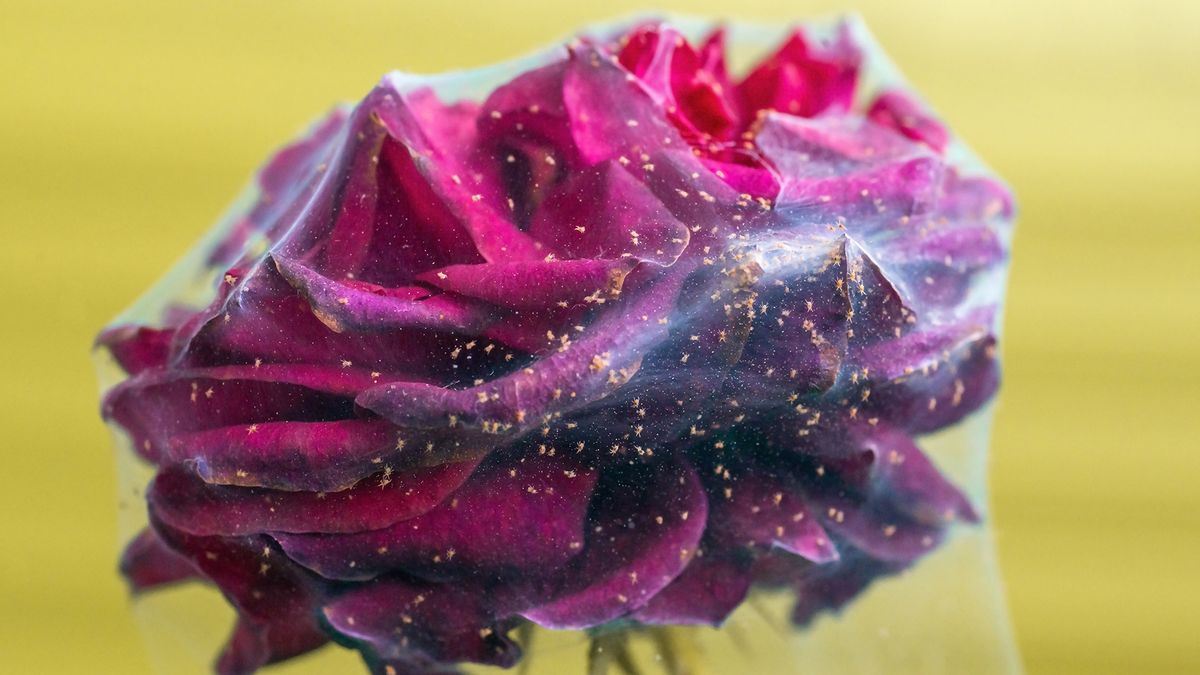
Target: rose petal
(156,405)
(749,506)
(799,317)
(137,348)
(683,83)
(189,504)
(604,212)
(317,456)
(543,332)
(450,175)
(629,556)
(707,592)
(976,198)
(612,115)
(875,527)
(904,477)
(896,110)
(601,359)
(407,627)
(528,112)
(348,243)
(344,307)
(275,598)
(266,320)
(148,563)
(829,588)
(516,514)
(802,79)
(532,285)
(846,166)
(756,180)
(933,376)
(944,262)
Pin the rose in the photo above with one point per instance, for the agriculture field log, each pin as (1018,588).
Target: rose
(621,341)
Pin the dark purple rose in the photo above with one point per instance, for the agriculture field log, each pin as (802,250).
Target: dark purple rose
(624,340)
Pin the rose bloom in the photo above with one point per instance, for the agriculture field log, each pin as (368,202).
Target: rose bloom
(623,340)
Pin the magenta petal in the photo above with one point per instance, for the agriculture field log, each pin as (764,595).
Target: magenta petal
(943,263)
(528,112)
(758,181)
(707,592)
(595,362)
(755,508)
(148,563)
(903,476)
(533,285)
(411,628)
(799,334)
(829,588)
(265,320)
(287,455)
(961,249)
(847,167)
(515,514)
(689,84)
(876,529)
(897,110)
(933,376)
(871,199)
(187,503)
(156,405)
(542,332)
(275,599)
(344,306)
(878,311)
(976,198)
(630,555)
(612,115)
(348,244)
(800,79)
(444,164)
(605,212)
(137,348)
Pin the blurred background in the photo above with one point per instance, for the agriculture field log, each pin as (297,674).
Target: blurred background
(126,127)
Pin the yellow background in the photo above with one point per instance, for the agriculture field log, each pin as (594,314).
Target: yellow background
(125,127)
